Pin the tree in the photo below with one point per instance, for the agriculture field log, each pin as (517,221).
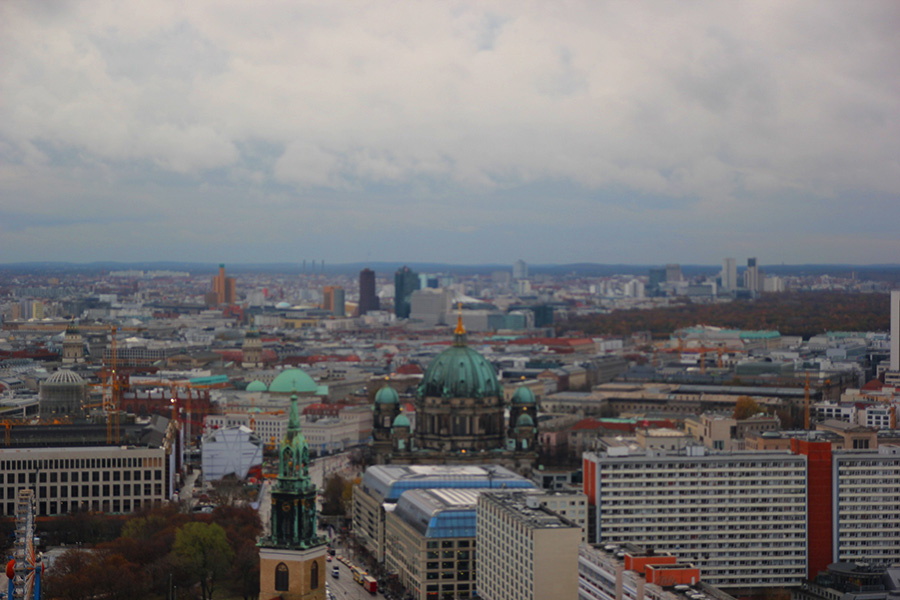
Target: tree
(333,496)
(745,407)
(203,552)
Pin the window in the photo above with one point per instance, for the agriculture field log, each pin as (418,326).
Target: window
(282,578)
(314,576)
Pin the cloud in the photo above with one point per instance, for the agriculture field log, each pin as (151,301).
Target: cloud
(695,115)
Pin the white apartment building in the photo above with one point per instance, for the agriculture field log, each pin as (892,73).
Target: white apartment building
(741,518)
(867,506)
(112,479)
(525,551)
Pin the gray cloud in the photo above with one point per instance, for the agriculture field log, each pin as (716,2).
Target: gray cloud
(636,132)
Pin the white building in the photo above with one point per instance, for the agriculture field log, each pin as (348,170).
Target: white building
(741,517)
(525,551)
(230,450)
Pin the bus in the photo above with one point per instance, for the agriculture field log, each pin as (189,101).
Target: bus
(369,584)
(358,574)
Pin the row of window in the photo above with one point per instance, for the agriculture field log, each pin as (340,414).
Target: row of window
(36,464)
(63,477)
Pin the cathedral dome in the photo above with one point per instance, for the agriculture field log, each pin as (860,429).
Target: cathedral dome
(256,386)
(387,395)
(401,421)
(65,376)
(523,395)
(460,372)
(293,380)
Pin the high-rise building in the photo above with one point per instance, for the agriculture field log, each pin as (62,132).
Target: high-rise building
(673,273)
(406,281)
(333,300)
(368,300)
(751,276)
(895,331)
(520,270)
(729,274)
(524,549)
(223,288)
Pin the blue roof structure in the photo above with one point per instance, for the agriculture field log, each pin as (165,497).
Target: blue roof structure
(388,482)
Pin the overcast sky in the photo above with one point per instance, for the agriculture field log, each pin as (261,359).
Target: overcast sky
(461,132)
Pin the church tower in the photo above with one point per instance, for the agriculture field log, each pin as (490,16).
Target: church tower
(292,558)
(73,346)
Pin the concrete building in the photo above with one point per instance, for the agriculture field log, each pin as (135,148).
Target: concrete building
(751,276)
(525,551)
(633,573)
(111,479)
(741,517)
(431,306)
(520,269)
(752,519)
(382,485)
(430,542)
(729,274)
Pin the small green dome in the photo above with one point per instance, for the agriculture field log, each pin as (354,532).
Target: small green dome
(293,380)
(256,386)
(523,395)
(524,421)
(400,421)
(387,395)
(460,372)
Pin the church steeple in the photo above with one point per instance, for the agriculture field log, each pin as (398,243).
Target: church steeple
(293,518)
(459,334)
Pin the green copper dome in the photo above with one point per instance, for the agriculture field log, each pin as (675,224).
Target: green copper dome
(401,421)
(524,421)
(256,386)
(523,395)
(293,380)
(459,372)
(387,395)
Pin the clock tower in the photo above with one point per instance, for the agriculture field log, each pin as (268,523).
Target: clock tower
(292,557)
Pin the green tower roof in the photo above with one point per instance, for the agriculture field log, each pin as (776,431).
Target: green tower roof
(460,372)
(387,395)
(293,380)
(523,395)
(400,420)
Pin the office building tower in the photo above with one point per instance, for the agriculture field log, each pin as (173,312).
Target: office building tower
(406,281)
(223,288)
(368,300)
(525,551)
(729,274)
(673,273)
(751,276)
(333,300)
(520,270)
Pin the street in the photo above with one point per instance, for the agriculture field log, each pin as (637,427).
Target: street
(344,588)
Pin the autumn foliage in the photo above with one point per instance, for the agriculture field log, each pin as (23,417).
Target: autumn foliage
(802,313)
(146,561)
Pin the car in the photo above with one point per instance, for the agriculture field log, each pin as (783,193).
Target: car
(327,558)
(335,572)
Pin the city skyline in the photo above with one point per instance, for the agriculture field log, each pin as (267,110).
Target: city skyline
(641,133)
